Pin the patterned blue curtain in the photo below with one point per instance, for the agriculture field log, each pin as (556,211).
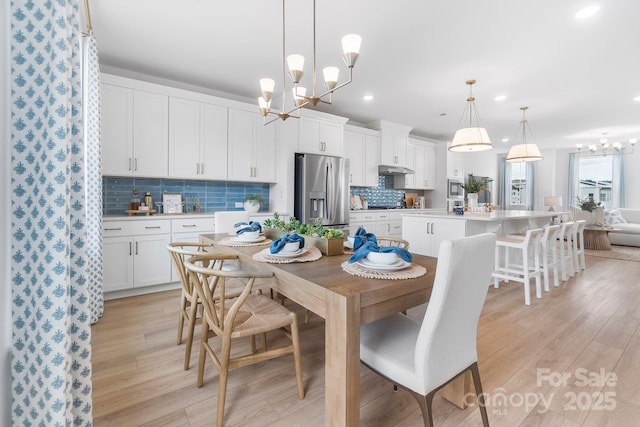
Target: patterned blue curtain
(93,178)
(51,334)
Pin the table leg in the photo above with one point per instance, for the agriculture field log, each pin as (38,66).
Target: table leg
(342,361)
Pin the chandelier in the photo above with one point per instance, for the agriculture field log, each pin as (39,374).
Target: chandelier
(606,149)
(474,137)
(524,152)
(295,63)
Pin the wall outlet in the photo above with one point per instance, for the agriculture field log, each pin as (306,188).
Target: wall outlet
(239,205)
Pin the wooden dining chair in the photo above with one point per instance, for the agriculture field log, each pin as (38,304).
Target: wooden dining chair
(424,357)
(247,315)
(189,302)
(392,241)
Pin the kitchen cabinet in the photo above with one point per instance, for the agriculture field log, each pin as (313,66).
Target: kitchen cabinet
(362,148)
(425,234)
(135,254)
(422,160)
(320,137)
(393,142)
(189,229)
(134,126)
(251,148)
(386,223)
(197,140)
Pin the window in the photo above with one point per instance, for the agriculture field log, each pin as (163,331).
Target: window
(518,176)
(595,175)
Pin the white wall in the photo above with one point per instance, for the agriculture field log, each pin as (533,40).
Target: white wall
(5,224)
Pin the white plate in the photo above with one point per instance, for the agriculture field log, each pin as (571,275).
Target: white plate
(240,239)
(348,245)
(398,265)
(294,254)
(234,234)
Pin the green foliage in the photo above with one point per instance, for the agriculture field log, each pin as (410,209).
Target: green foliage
(475,186)
(254,199)
(587,204)
(294,225)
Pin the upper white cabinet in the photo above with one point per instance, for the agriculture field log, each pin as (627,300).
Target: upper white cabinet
(251,148)
(197,140)
(421,157)
(362,148)
(393,142)
(320,137)
(134,132)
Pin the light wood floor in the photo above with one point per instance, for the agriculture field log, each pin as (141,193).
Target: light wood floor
(588,326)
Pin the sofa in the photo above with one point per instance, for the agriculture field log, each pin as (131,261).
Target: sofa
(628,222)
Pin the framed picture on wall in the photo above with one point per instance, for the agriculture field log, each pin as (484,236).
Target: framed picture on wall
(172,203)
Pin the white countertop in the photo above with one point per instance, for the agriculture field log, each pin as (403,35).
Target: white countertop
(489,216)
(138,217)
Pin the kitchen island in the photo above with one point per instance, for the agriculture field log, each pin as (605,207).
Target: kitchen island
(425,231)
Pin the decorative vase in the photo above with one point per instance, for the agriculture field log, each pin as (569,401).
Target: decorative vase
(251,206)
(598,216)
(472,200)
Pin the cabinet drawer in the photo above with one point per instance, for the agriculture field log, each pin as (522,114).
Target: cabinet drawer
(162,226)
(117,228)
(383,216)
(191,225)
(362,216)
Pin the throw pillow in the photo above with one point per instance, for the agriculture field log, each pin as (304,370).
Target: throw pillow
(613,217)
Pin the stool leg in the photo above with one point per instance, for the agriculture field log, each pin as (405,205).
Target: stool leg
(496,268)
(527,278)
(536,264)
(545,266)
(554,255)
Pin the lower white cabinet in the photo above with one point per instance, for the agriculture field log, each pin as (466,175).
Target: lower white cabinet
(189,230)
(425,234)
(388,223)
(135,254)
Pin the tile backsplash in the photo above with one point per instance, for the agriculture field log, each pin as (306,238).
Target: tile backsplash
(384,195)
(212,196)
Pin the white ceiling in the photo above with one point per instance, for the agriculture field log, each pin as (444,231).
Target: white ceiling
(578,77)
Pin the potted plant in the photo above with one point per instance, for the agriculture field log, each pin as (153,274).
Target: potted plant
(329,241)
(252,203)
(596,213)
(473,187)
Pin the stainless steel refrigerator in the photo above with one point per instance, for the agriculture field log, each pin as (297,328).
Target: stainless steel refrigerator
(322,190)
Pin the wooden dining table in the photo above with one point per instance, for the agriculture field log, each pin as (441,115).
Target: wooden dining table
(345,302)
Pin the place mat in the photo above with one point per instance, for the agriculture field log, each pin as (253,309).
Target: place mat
(228,241)
(313,254)
(411,272)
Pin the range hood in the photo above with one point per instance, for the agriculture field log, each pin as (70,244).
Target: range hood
(393,170)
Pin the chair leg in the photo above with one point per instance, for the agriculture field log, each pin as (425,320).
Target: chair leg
(193,309)
(536,266)
(225,354)
(183,304)
(425,403)
(475,372)
(496,267)
(554,255)
(203,352)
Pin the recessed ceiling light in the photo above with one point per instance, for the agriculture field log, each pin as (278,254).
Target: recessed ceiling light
(368,97)
(500,98)
(505,140)
(637,98)
(587,12)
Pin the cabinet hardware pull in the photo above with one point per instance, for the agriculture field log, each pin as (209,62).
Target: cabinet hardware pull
(129,248)
(135,164)
(129,163)
(197,168)
(202,168)
(113,229)
(151,228)
(188,225)
(136,248)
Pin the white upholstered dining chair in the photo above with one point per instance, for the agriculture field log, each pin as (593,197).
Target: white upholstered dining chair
(424,357)
(225,220)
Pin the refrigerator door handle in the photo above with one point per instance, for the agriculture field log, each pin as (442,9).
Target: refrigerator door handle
(327,189)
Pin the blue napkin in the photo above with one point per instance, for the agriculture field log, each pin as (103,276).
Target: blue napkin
(364,250)
(252,226)
(278,244)
(361,237)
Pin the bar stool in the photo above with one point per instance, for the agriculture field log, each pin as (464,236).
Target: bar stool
(529,246)
(565,249)
(548,248)
(579,247)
